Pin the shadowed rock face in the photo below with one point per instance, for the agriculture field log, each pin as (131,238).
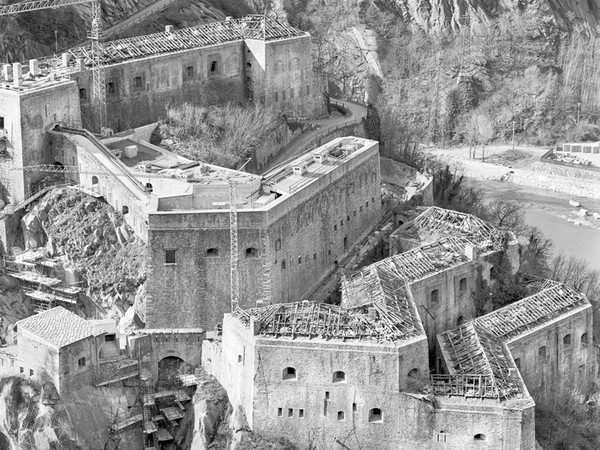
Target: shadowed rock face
(435,15)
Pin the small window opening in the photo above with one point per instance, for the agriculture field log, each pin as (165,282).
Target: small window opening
(584,339)
(360,208)
(94,180)
(81,362)
(339,377)
(278,244)
(289,373)
(442,436)
(137,82)
(21,369)
(110,87)
(213,66)
(314,256)
(460,321)
(335,227)
(290,412)
(414,373)
(30,372)
(479,437)
(518,363)
(326,395)
(280,412)
(239,358)
(83,93)
(299,260)
(212,252)
(375,415)
(347,218)
(542,351)
(492,273)
(149,188)
(283,264)
(251,252)
(1,123)
(189,71)
(342,223)
(462,285)
(345,242)
(301,413)
(435,295)
(367,204)
(125,209)
(341,415)
(354,407)
(110,338)
(170,257)
(567,339)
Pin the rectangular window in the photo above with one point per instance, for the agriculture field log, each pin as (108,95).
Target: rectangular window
(280,412)
(30,372)
(110,87)
(441,437)
(214,66)
(290,412)
(170,257)
(299,260)
(137,82)
(21,370)
(314,256)
(81,362)
(110,337)
(189,71)
(1,123)
(518,363)
(435,296)
(301,413)
(345,242)
(82,93)
(462,285)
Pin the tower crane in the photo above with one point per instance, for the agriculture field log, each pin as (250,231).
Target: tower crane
(95,35)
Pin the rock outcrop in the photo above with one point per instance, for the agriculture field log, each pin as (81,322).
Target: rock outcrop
(434,15)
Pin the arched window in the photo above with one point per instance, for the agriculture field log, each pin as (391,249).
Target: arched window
(414,373)
(567,339)
(251,252)
(289,373)
(94,180)
(341,415)
(584,339)
(339,377)
(125,209)
(375,415)
(212,252)
(542,351)
(283,264)
(480,437)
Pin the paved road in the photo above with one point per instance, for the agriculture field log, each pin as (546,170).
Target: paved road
(301,143)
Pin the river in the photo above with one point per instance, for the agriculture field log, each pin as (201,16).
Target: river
(544,209)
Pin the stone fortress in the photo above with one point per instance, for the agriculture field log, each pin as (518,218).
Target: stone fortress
(400,363)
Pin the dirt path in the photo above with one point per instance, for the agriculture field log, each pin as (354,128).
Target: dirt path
(299,144)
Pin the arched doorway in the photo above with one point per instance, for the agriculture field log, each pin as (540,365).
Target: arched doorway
(169,369)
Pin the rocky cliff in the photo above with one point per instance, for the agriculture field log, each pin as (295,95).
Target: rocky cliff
(439,14)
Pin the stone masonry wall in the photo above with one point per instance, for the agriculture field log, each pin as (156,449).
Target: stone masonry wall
(562,366)
(138,91)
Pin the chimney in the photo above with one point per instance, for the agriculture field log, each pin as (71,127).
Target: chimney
(471,251)
(65,59)
(34,67)
(169,29)
(6,72)
(17,74)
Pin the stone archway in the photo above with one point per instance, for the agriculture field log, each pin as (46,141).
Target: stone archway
(169,369)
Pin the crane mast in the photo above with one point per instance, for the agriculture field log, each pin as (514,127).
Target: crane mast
(98,73)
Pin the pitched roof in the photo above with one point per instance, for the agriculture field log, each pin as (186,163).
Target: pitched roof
(472,351)
(383,314)
(57,326)
(420,262)
(256,27)
(435,223)
(554,300)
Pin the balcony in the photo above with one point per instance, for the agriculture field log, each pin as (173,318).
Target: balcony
(115,370)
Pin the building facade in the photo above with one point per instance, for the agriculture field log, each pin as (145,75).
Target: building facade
(293,225)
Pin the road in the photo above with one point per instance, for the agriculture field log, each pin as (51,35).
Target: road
(301,143)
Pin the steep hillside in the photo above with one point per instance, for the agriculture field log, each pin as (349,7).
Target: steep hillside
(437,14)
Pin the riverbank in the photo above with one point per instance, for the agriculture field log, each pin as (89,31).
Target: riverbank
(551,212)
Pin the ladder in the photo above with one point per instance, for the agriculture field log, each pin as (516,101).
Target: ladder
(233,234)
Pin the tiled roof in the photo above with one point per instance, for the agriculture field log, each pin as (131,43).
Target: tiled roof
(57,326)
